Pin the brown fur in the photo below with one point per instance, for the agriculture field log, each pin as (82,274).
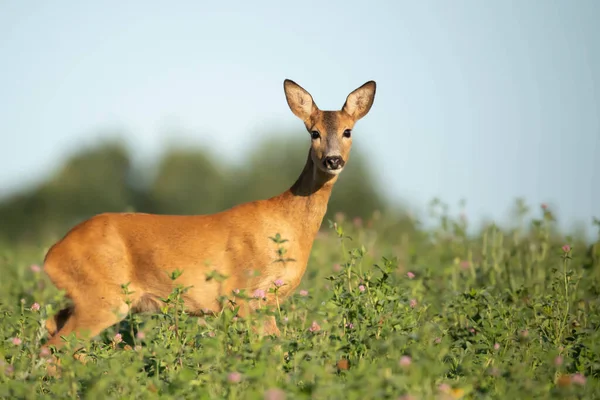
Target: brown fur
(100,254)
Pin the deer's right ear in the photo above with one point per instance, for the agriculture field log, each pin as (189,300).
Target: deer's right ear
(300,101)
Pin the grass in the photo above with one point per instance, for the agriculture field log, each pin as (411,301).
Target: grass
(381,313)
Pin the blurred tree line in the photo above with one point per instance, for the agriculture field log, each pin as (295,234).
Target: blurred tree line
(184,181)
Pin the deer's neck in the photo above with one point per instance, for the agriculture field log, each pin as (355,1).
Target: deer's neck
(305,203)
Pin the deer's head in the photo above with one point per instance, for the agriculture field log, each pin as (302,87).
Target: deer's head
(330,131)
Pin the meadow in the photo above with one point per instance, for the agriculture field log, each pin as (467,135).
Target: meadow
(382,313)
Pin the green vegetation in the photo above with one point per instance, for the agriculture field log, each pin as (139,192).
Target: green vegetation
(385,310)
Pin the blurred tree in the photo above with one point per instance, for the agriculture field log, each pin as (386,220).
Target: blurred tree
(93,181)
(189,182)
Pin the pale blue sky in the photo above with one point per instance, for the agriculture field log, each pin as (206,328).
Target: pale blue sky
(483,100)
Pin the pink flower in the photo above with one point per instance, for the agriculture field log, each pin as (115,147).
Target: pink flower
(361,288)
(405,361)
(35,268)
(566,248)
(437,340)
(304,292)
(358,222)
(578,379)
(558,360)
(465,264)
(406,397)
(16,341)
(140,335)
(44,352)
(314,327)
(278,282)
(472,330)
(234,377)
(544,206)
(349,325)
(413,303)
(211,334)
(444,388)
(35,307)
(274,394)
(337,267)
(285,320)
(259,294)
(410,275)
(496,346)
(118,338)
(236,291)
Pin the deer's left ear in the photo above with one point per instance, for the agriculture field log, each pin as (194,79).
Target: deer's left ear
(359,102)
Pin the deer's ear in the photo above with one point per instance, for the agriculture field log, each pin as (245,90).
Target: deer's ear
(359,102)
(300,101)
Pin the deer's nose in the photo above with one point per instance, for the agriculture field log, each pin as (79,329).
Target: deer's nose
(334,162)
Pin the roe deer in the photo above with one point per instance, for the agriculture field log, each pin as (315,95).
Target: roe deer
(99,255)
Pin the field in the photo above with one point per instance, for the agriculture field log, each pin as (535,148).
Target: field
(382,312)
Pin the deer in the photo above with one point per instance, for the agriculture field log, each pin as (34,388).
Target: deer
(93,261)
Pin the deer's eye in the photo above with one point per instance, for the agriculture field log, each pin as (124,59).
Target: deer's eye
(315,135)
(347,133)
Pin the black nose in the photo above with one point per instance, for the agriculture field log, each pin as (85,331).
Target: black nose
(334,162)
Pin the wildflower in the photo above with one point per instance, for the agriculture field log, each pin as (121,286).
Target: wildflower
(234,377)
(444,388)
(285,320)
(544,206)
(211,334)
(472,330)
(35,307)
(361,288)
(496,346)
(437,340)
(413,303)
(314,327)
(140,335)
(405,361)
(35,268)
(118,338)
(578,379)
(566,248)
(274,394)
(350,325)
(410,275)
(465,264)
(137,348)
(259,294)
(358,222)
(16,341)
(558,361)
(340,217)
(236,291)
(304,292)
(44,352)
(278,282)
(337,267)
